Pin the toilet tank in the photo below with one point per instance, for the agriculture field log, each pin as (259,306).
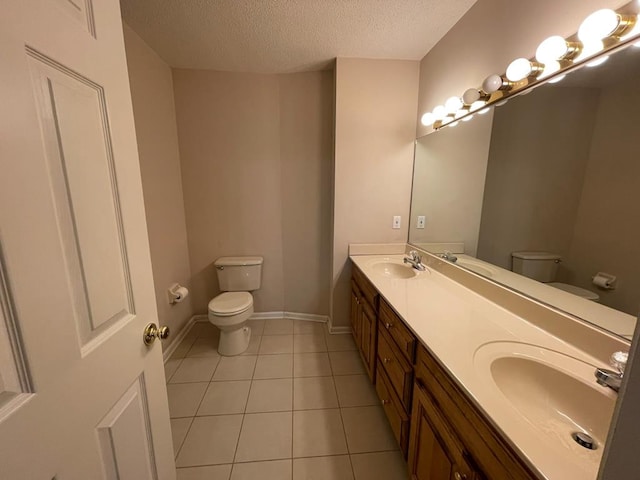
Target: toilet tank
(239,274)
(541,266)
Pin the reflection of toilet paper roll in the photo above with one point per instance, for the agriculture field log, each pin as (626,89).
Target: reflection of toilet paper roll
(604,280)
(180,294)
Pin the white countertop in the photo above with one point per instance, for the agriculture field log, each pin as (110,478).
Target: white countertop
(454,322)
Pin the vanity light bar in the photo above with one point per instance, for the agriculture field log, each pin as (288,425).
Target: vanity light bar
(600,32)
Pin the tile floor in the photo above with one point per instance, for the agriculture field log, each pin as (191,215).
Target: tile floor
(296,406)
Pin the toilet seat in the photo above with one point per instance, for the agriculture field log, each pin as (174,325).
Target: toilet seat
(230,303)
(581,292)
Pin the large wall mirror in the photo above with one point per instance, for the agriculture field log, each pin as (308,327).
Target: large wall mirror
(542,193)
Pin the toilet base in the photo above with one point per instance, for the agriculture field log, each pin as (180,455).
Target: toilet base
(234,342)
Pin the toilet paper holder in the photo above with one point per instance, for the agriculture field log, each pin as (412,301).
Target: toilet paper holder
(176,293)
(605,281)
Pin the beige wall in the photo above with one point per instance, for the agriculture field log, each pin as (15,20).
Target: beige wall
(448,183)
(155,120)
(255,155)
(374,135)
(607,230)
(490,35)
(306,143)
(537,162)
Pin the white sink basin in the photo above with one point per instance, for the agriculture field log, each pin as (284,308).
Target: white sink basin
(475,266)
(392,268)
(555,394)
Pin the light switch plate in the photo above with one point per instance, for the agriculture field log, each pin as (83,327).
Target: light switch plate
(421,221)
(397,221)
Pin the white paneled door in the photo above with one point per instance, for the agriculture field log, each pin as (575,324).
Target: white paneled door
(81,396)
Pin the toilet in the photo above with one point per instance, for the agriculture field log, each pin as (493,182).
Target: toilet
(543,266)
(229,311)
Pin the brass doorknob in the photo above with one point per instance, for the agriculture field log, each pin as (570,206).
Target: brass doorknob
(151,332)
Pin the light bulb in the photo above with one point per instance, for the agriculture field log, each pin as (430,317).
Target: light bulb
(466,119)
(550,68)
(492,83)
(471,96)
(589,49)
(553,48)
(599,25)
(598,61)
(461,113)
(447,119)
(559,78)
(522,68)
(428,119)
(439,112)
(477,105)
(453,104)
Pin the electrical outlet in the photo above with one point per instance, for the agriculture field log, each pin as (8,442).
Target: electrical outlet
(397,221)
(421,221)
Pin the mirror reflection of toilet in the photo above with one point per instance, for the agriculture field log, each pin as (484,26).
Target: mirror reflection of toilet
(230,311)
(543,267)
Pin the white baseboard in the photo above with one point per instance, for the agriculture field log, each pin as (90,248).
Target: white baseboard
(309,317)
(339,330)
(167,352)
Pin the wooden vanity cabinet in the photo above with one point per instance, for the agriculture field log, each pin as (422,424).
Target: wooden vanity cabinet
(394,375)
(441,432)
(435,451)
(450,437)
(363,317)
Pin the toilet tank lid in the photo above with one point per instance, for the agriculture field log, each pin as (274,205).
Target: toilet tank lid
(238,261)
(536,255)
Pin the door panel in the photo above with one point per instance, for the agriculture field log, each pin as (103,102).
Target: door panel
(77,141)
(75,255)
(125,437)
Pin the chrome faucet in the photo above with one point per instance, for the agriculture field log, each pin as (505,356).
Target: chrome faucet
(415,260)
(449,257)
(609,378)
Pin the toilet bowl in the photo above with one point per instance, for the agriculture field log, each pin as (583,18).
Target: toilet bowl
(580,292)
(543,266)
(229,311)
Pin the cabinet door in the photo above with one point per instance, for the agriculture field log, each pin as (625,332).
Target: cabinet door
(435,453)
(368,326)
(355,313)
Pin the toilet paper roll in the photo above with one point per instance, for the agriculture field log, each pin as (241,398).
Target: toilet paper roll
(180,294)
(604,280)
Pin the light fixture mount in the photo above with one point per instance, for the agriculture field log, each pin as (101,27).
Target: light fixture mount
(600,34)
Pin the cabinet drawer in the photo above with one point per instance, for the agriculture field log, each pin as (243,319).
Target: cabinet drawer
(397,369)
(490,451)
(367,290)
(403,337)
(398,419)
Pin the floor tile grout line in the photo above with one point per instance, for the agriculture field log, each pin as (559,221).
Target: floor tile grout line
(184,439)
(195,413)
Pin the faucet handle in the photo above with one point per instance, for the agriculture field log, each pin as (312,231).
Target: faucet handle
(619,361)
(415,256)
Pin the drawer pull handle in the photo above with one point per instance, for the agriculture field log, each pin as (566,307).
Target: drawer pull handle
(388,325)
(459,476)
(386,360)
(386,402)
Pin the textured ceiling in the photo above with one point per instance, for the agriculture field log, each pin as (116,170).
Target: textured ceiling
(278,36)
